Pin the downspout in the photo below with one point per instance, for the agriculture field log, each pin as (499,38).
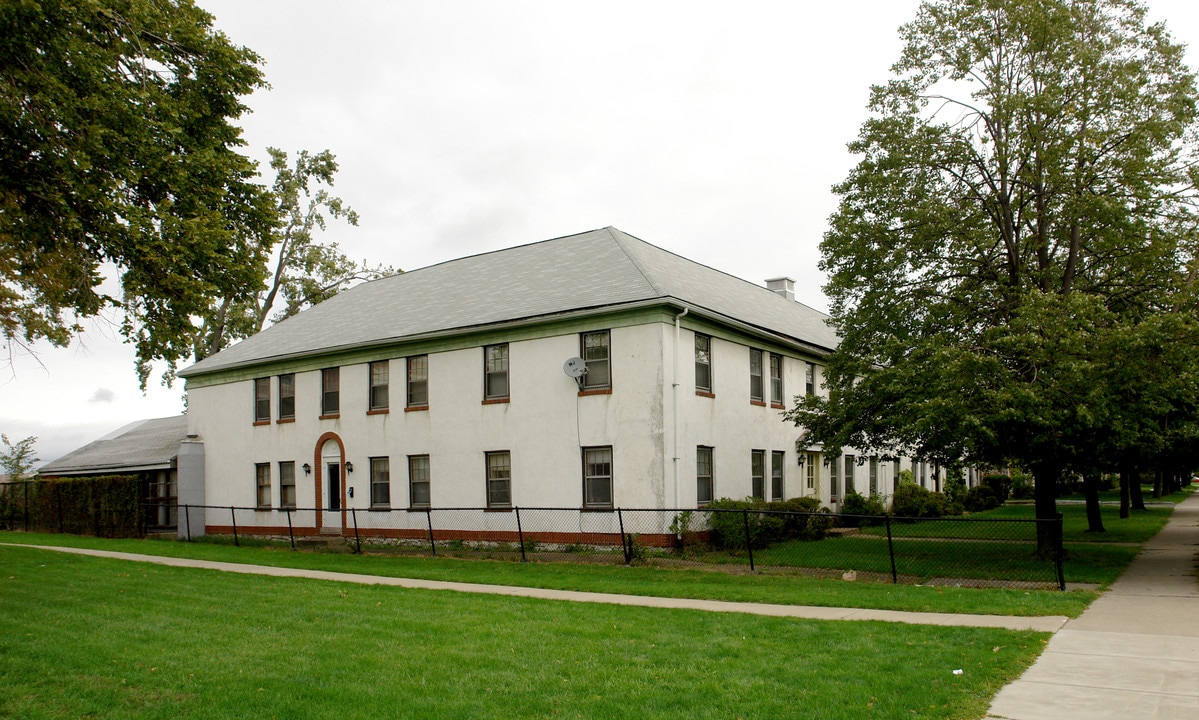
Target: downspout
(677,374)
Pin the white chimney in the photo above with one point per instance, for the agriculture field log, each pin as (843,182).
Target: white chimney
(784,286)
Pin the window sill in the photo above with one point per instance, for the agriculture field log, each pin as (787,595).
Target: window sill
(281,421)
(498,509)
(419,508)
(778,406)
(378,411)
(705,393)
(416,408)
(261,508)
(757,403)
(287,508)
(379,508)
(596,391)
(495,401)
(597,509)
(330,416)
(259,423)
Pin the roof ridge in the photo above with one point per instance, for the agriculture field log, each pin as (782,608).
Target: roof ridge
(616,234)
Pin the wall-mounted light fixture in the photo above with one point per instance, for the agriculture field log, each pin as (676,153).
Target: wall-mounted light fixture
(349,466)
(307,469)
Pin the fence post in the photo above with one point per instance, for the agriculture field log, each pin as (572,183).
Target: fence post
(187,520)
(1060,551)
(749,544)
(290,535)
(233,515)
(520,533)
(429,521)
(625,547)
(357,540)
(891,550)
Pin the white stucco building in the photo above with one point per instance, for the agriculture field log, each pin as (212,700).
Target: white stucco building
(446,387)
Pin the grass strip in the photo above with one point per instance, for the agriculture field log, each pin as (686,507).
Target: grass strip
(92,637)
(651,581)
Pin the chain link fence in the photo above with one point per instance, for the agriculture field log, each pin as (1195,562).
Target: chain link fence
(956,551)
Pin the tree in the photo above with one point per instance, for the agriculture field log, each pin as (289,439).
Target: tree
(304,272)
(17,461)
(118,150)
(1027,188)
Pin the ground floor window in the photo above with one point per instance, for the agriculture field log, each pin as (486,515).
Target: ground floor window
(757,473)
(262,475)
(777,459)
(418,480)
(287,484)
(704,482)
(597,477)
(380,482)
(499,479)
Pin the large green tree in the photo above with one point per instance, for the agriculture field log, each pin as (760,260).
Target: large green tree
(1026,189)
(118,149)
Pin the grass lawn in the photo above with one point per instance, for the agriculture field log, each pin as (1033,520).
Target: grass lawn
(653,581)
(1137,528)
(92,637)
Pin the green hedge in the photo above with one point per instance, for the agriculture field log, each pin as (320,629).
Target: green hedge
(105,506)
(768,523)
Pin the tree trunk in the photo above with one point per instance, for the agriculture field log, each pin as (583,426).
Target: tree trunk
(1134,490)
(1046,478)
(1090,491)
(1126,478)
(1157,484)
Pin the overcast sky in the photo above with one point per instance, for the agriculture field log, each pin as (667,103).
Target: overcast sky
(711,129)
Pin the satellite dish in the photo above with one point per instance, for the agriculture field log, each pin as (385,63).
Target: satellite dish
(574,367)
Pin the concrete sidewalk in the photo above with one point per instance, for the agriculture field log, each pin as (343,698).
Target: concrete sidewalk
(1134,653)
(1051,623)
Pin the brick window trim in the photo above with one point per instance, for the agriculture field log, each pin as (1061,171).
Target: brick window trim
(258,423)
(705,393)
(281,421)
(596,391)
(416,408)
(379,411)
(758,403)
(330,416)
(496,401)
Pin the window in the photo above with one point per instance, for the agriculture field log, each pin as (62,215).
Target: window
(895,475)
(379,396)
(596,358)
(703,363)
(777,458)
(287,397)
(757,462)
(499,479)
(262,472)
(834,481)
(755,375)
(850,464)
(262,400)
(703,475)
(810,379)
(287,484)
(597,477)
(813,458)
(418,480)
(776,379)
(418,381)
(495,372)
(330,391)
(380,482)
(873,476)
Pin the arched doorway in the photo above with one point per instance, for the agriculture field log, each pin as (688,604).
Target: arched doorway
(330,459)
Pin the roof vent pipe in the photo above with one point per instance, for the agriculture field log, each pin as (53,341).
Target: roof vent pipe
(784,286)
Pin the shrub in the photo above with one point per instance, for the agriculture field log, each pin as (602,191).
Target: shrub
(729,525)
(106,506)
(1022,486)
(1000,484)
(955,487)
(980,498)
(856,506)
(916,501)
(811,525)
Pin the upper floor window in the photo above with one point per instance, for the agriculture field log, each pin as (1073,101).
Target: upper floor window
(755,375)
(418,381)
(330,391)
(809,379)
(850,463)
(596,358)
(262,400)
(287,396)
(499,479)
(597,477)
(757,463)
(776,379)
(873,476)
(703,363)
(418,480)
(379,396)
(704,484)
(380,482)
(287,484)
(495,372)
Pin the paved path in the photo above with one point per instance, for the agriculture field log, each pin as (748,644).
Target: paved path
(1041,624)
(1134,653)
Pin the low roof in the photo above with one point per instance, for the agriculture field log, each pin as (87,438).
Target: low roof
(141,445)
(597,270)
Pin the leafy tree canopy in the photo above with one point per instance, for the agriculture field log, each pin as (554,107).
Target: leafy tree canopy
(117,146)
(1024,205)
(18,459)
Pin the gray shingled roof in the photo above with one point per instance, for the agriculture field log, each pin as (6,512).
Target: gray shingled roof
(601,269)
(142,445)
